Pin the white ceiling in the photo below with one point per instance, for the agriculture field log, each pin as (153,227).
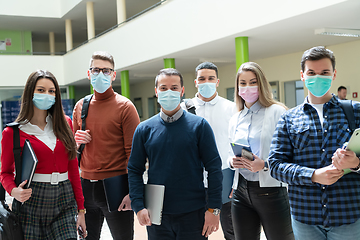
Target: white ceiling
(284,37)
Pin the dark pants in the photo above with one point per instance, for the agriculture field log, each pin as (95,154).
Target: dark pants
(254,206)
(121,223)
(185,226)
(226,221)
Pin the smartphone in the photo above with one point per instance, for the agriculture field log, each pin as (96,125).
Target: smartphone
(81,233)
(247,154)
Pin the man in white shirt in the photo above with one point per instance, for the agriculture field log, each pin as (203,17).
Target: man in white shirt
(217,111)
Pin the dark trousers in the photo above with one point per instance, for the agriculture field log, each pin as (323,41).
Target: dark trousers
(185,226)
(254,206)
(121,223)
(226,221)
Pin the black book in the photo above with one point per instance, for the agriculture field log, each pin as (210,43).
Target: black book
(29,163)
(116,188)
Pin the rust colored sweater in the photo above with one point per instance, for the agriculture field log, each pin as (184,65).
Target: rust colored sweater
(112,120)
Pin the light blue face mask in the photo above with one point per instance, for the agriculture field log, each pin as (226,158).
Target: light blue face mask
(43,101)
(169,99)
(207,89)
(318,85)
(100,82)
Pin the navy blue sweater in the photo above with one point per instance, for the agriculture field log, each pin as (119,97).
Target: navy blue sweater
(177,153)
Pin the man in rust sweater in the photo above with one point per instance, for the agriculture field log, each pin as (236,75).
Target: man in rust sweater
(110,126)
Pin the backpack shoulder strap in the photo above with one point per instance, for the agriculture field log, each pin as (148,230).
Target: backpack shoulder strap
(84,110)
(84,113)
(190,106)
(16,151)
(347,107)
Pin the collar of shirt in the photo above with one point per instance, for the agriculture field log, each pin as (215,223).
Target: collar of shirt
(201,102)
(333,101)
(47,136)
(174,117)
(254,108)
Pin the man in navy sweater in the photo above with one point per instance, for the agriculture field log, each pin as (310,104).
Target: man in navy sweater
(178,145)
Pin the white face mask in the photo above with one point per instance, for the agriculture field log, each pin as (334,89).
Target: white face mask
(169,99)
(207,89)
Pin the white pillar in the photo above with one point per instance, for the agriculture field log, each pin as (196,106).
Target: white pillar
(121,11)
(68,33)
(90,20)
(52,43)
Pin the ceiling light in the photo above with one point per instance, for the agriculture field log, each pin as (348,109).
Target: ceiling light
(341,32)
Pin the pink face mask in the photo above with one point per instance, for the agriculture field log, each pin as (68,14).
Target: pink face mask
(249,94)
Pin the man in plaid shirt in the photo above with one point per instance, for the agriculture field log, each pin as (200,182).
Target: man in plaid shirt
(306,153)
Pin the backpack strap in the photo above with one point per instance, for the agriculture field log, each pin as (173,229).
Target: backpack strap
(347,107)
(17,157)
(190,106)
(84,113)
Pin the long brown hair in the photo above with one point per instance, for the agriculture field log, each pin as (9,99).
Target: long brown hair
(265,93)
(61,127)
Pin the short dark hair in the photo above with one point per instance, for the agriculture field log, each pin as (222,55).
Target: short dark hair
(207,65)
(102,55)
(341,87)
(317,53)
(169,72)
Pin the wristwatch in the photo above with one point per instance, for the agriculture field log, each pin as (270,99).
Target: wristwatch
(266,166)
(214,211)
(357,169)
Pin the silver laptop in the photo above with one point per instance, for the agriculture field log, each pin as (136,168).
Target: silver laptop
(154,199)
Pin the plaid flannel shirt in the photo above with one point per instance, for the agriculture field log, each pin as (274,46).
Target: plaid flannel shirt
(300,146)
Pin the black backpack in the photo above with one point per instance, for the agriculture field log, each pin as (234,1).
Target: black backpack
(10,227)
(347,107)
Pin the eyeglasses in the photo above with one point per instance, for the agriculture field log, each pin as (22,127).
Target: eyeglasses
(106,71)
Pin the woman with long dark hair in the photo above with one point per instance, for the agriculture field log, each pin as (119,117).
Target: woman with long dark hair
(54,198)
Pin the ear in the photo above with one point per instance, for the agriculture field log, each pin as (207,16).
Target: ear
(182,91)
(302,76)
(335,72)
(88,74)
(195,81)
(114,76)
(156,92)
(217,83)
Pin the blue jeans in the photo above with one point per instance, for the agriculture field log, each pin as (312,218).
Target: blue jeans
(254,206)
(317,232)
(121,224)
(184,226)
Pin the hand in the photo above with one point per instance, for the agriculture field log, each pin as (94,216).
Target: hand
(81,222)
(144,217)
(343,159)
(125,204)
(231,193)
(327,175)
(254,165)
(82,137)
(21,194)
(237,162)
(211,224)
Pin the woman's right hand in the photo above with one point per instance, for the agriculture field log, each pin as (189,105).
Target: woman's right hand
(21,194)
(237,162)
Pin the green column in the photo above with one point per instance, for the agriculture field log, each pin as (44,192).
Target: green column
(125,84)
(71,92)
(169,62)
(91,89)
(241,51)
